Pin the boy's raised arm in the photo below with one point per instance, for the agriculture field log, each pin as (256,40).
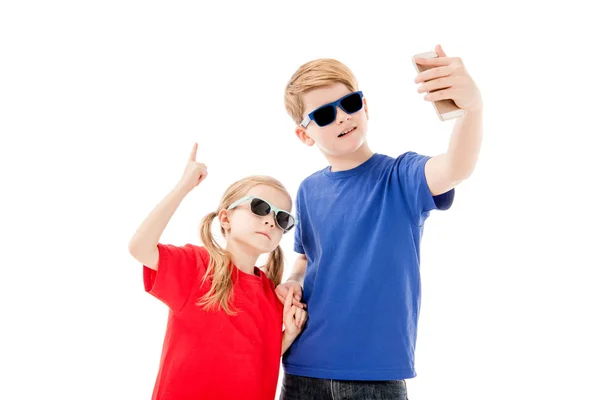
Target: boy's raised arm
(446,171)
(452,81)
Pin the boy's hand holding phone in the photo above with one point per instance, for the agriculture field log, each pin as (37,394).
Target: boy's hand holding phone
(447,84)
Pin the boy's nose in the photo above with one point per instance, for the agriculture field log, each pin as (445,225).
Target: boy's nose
(342,116)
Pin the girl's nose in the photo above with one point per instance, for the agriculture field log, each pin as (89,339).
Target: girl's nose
(269,223)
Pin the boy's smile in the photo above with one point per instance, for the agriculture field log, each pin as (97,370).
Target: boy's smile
(347,132)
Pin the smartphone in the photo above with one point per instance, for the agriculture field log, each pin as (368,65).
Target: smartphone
(445,109)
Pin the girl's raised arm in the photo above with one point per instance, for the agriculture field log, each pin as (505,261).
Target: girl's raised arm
(143,244)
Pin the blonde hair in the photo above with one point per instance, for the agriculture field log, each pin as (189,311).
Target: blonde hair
(315,74)
(220,267)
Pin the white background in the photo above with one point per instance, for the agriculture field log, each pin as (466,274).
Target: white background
(100,103)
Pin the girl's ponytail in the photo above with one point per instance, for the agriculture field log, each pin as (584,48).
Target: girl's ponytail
(218,271)
(274,266)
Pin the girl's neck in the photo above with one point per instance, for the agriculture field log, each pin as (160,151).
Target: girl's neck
(242,257)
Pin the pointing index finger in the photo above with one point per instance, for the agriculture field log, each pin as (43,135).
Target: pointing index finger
(194,152)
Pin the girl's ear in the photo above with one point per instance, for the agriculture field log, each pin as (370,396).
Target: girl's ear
(224,221)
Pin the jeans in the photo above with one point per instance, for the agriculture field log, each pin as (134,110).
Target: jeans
(304,388)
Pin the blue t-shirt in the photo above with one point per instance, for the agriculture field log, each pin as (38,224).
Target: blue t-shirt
(361,231)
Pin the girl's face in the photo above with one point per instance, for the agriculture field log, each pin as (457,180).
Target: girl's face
(259,233)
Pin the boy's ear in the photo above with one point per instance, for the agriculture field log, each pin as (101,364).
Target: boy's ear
(366,108)
(223,217)
(303,136)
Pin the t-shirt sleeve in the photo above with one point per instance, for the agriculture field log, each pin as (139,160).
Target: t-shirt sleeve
(177,274)
(411,172)
(298,244)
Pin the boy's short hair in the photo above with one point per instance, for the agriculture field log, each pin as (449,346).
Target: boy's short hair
(315,74)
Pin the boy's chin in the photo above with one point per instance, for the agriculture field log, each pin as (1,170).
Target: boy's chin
(343,150)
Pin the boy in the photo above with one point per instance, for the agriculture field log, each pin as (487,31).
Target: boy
(359,232)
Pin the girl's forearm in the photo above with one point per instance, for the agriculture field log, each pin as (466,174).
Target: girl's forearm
(286,342)
(142,245)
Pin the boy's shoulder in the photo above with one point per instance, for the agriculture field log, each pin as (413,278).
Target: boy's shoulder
(313,178)
(383,164)
(383,161)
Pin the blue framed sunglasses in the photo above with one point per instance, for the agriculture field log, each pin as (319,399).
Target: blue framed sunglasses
(326,114)
(262,208)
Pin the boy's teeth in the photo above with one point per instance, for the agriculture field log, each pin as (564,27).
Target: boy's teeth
(345,132)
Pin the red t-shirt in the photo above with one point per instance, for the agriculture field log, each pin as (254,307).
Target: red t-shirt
(212,355)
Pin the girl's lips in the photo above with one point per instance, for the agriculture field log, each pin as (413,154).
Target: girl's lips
(262,233)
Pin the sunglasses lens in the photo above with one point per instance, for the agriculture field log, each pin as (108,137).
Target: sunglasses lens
(285,220)
(352,103)
(259,207)
(262,208)
(324,115)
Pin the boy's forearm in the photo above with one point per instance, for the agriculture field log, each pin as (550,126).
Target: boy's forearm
(464,146)
(299,270)
(148,234)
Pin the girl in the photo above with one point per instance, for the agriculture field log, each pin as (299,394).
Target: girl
(224,334)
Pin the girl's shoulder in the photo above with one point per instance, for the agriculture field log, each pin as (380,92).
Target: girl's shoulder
(198,253)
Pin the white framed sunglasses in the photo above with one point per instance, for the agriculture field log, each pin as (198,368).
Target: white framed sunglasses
(262,208)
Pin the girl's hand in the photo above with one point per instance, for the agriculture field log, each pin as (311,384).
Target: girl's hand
(194,173)
(450,80)
(294,318)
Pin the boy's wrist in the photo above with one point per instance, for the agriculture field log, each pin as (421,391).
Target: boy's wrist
(296,279)
(299,284)
(477,112)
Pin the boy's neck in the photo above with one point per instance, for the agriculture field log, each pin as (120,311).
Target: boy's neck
(349,161)
(242,257)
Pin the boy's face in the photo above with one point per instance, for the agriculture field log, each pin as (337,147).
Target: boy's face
(331,139)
